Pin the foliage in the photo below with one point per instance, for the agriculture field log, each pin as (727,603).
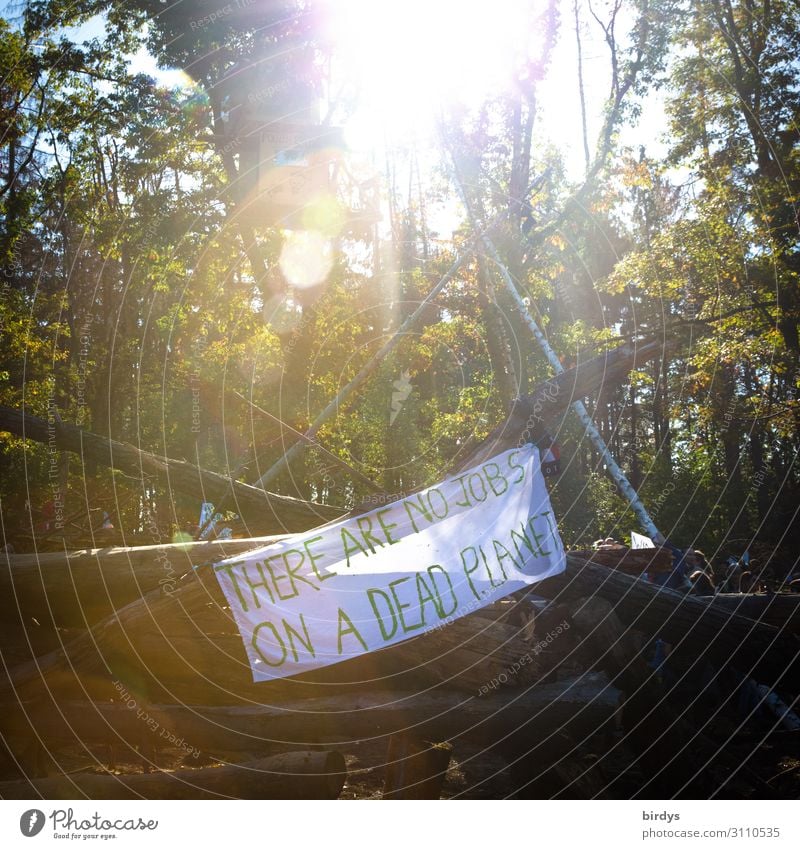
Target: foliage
(141,301)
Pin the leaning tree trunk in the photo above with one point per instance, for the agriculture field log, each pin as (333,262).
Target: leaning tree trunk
(271,512)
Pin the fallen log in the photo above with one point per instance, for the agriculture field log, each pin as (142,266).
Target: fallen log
(604,642)
(631,561)
(782,610)
(470,654)
(693,624)
(293,775)
(272,512)
(176,645)
(76,589)
(534,717)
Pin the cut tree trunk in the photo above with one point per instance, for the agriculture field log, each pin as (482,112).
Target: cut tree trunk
(533,719)
(77,589)
(415,768)
(293,775)
(694,625)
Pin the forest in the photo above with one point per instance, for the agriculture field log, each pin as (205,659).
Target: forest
(400,400)
(149,297)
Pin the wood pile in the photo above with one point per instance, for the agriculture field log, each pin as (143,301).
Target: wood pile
(563,687)
(124,673)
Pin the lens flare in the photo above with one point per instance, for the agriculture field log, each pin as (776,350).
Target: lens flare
(325,215)
(306,258)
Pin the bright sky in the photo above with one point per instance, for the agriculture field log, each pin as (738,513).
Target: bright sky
(410,59)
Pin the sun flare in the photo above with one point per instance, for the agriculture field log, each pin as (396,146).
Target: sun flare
(406,61)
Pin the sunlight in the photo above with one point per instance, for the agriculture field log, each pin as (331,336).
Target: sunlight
(306,258)
(142,62)
(408,60)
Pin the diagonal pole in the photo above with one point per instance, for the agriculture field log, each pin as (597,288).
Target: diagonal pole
(619,477)
(332,408)
(312,443)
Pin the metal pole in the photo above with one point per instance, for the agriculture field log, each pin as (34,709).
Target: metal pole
(645,520)
(311,443)
(613,467)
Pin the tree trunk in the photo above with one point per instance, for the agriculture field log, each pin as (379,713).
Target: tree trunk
(415,769)
(536,717)
(272,512)
(77,589)
(496,339)
(696,626)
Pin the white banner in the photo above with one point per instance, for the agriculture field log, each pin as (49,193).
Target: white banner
(641,541)
(391,574)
